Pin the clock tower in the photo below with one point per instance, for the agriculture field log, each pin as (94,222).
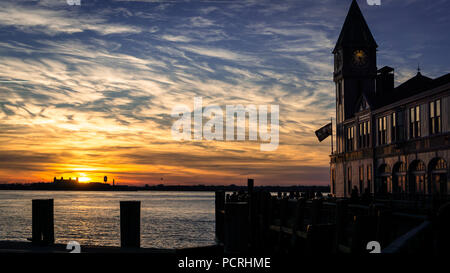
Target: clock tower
(355,69)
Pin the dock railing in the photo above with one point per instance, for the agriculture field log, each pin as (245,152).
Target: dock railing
(289,223)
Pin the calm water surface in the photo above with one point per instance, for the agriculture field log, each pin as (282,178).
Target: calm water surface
(168,219)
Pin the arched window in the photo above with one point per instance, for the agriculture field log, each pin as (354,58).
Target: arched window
(417,177)
(384,184)
(399,178)
(437,182)
(441,164)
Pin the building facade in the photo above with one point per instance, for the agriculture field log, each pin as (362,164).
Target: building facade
(389,140)
(62,180)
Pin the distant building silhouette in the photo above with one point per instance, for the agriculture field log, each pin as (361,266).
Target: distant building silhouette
(62,180)
(389,140)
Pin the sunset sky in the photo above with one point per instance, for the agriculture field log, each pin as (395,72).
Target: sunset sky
(87,91)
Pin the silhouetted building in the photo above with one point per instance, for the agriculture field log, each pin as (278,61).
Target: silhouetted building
(388,139)
(62,180)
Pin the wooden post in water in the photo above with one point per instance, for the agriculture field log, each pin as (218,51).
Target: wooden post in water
(250,184)
(236,227)
(130,224)
(42,222)
(220,216)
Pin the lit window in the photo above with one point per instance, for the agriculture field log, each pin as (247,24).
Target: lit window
(382,137)
(350,137)
(364,134)
(435,117)
(414,122)
(394,128)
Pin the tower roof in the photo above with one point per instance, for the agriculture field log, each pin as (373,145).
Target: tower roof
(355,31)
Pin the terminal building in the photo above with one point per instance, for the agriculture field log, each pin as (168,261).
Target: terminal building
(389,140)
(62,180)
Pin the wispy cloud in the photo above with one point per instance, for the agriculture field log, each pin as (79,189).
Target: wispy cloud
(50,21)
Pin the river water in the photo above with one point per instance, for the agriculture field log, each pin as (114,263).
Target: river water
(168,219)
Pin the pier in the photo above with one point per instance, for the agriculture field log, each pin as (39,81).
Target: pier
(258,222)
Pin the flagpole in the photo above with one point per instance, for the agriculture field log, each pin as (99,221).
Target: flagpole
(331,135)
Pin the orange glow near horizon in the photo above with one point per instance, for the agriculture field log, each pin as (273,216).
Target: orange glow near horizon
(83,178)
(142,153)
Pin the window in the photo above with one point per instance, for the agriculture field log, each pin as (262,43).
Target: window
(394,128)
(414,122)
(435,117)
(369,177)
(350,137)
(382,137)
(441,164)
(364,134)
(361,179)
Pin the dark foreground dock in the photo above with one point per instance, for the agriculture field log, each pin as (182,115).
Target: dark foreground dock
(29,247)
(256,222)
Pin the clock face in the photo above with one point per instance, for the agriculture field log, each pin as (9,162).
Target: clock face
(359,57)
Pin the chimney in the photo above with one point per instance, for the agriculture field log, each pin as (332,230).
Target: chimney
(385,81)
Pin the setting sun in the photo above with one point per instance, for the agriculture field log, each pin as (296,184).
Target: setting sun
(83,178)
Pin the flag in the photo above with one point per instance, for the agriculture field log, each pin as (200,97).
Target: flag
(324,132)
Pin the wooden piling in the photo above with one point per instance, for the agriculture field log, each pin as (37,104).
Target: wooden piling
(236,227)
(250,184)
(130,224)
(220,216)
(42,222)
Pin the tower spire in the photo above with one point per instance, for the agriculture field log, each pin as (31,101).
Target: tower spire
(355,30)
